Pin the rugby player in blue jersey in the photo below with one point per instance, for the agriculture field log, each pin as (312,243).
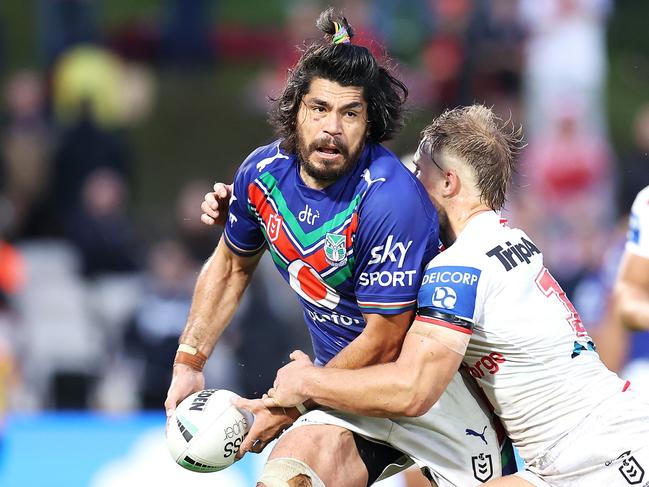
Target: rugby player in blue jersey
(356,265)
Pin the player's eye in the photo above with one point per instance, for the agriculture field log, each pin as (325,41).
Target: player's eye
(351,114)
(318,109)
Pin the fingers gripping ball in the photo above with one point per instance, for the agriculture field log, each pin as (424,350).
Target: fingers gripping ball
(206,430)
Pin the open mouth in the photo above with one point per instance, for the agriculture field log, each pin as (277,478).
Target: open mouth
(328,151)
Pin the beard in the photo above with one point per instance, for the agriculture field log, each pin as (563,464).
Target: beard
(327,172)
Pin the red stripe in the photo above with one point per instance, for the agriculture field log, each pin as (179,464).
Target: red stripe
(446,324)
(626,386)
(317,260)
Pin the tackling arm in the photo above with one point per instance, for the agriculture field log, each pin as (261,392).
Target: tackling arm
(408,387)
(631,292)
(379,342)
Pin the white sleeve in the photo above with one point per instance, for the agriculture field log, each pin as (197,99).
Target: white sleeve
(638,236)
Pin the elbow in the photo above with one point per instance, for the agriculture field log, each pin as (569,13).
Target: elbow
(388,352)
(419,405)
(418,396)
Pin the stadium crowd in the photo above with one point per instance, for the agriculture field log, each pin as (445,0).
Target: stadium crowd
(94,291)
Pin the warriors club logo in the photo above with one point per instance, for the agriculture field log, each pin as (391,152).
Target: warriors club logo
(335,249)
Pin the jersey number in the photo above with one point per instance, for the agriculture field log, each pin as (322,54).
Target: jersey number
(549,286)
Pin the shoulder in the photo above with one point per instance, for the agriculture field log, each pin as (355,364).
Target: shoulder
(262,159)
(641,204)
(492,249)
(390,186)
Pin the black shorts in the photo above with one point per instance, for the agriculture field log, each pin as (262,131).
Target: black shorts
(377,456)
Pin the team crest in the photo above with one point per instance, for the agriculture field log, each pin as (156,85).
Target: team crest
(273,226)
(335,248)
(482,465)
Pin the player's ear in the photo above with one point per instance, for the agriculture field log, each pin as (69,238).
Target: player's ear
(451,183)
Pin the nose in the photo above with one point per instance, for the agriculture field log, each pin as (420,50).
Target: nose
(333,123)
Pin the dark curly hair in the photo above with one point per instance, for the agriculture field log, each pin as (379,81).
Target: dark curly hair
(348,65)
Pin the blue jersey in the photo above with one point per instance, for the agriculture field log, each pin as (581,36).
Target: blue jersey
(358,246)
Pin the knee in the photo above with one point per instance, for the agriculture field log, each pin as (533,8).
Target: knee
(288,472)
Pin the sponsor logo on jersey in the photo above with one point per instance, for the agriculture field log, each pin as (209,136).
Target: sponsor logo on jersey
(387,278)
(368,178)
(335,318)
(307,215)
(391,251)
(305,281)
(335,248)
(470,432)
(513,254)
(483,468)
(487,364)
(444,297)
(450,288)
(273,226)
(261,165)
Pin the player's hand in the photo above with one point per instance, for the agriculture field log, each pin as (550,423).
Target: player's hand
(185,381)
(215,205)
(269,424)
(286,391)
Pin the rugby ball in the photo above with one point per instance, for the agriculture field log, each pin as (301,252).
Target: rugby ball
(205,432)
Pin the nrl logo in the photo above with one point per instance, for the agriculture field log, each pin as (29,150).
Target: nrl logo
(273,226)
(334,248)
(482,467)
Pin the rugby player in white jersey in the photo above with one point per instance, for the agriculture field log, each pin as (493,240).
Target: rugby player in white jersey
(487,303)
(632,286)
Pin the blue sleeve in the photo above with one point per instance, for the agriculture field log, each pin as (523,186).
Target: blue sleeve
(398,233)
(242,233)
(448,296)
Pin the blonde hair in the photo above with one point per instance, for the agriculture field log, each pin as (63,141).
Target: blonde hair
(484,141)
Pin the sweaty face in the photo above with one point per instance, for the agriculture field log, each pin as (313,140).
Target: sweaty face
(332,126)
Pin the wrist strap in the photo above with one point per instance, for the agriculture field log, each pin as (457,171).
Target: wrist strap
(190,356)
(301,408)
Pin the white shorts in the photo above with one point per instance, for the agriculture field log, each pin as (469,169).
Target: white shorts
(455,440)
(610,447)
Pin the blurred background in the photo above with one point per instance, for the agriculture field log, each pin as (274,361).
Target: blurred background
(116,117)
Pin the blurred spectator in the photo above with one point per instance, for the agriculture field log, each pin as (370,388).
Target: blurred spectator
(100,228)
(567,176)
(87,83)
(200,240)
(83,149)
(270,315)
(566,57)
(25,151)
(12,267)
(185,38)
(151,338)
(402,27)
(634,167)
(65,23)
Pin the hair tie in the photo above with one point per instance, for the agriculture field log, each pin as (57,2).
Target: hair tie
(340,36)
